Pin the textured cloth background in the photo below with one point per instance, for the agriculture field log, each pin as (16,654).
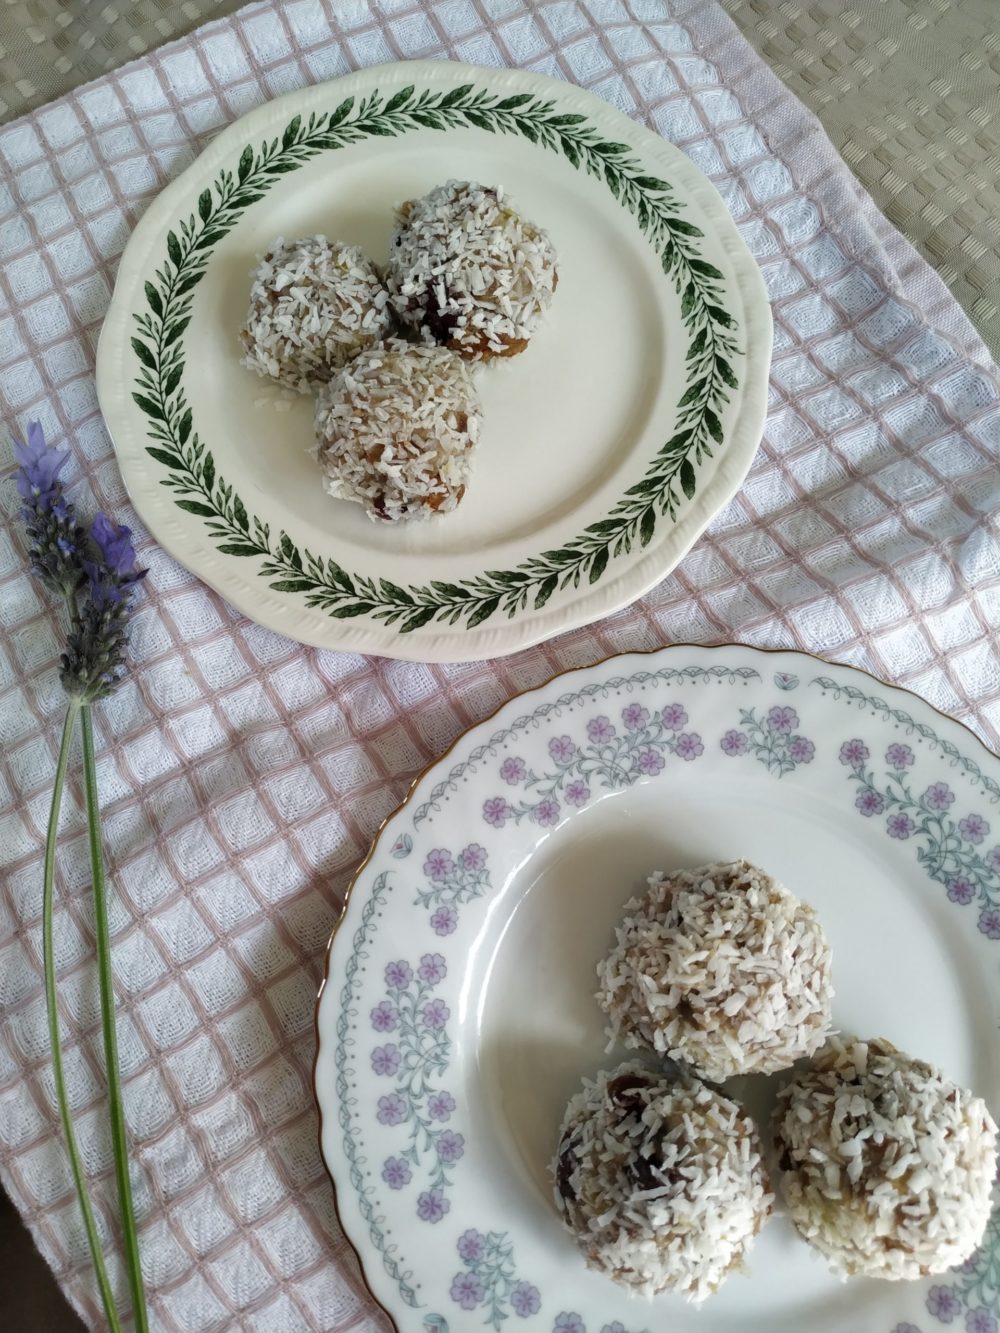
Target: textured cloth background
(908,90)
(243,775)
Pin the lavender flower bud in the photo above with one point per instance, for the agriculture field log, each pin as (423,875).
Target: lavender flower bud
(94,660)
(58,542)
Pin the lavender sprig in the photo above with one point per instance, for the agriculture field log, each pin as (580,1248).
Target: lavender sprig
(58,541)
(94,660)
(95,573)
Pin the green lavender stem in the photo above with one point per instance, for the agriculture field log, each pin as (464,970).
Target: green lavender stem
(113,1074)
(48,961)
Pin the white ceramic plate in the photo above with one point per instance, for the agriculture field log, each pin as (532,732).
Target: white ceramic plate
(458,1014)
(608,445)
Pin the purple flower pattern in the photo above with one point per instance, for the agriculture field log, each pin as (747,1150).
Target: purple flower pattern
(772,739)
(396,1172)
(385,1060)
(490,1279)
(453,881)
(417,1055)
(980,1321)
(734,742)
(946,847)
(568,1322)
(900,826)
(513,771)
(612,757)
(432,1205)
(944,1303)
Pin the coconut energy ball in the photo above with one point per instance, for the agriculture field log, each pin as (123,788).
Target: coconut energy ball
(395,431)
(466,271)
(314,304)
(887,1167)
(722,969)
(661,1182)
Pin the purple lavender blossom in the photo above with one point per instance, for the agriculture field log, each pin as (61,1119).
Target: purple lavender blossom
(546,812)
(438,865)
(989,922)
(471,1246)
(391,1109)
(568,1322)
(432,1205)
(398,975)
(385,1016)
(688,746)
(94,660)
(450,1147)
(496,811)
(396,1172)
(801,750)
(899,826)
(525,1300)
(869,802)
(435,1015)
(467,1290)
(783,721)
(512,770)
(980,1321)
(562,749)
(944,1303)
(440,1105)
(734,742)
(650,762)
(853,753)
(939,796)
(899,756)
(385,1060)
(635,716)
(58,543)
(960,890)
(577,793)
(674,716)
(473,857)
(432,968)
(600,730)
(444,920)
(974,828)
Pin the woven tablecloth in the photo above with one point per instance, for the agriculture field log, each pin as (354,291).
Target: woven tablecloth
(243,775)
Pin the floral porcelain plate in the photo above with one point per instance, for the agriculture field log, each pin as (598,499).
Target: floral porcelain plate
(458,1015)
(607,446)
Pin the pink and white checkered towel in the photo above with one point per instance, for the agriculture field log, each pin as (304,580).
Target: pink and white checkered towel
(243,775)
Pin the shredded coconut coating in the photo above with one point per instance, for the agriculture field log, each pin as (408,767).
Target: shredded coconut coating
(468,272)
(722,969)
(395,431)
(887,1167)
(314,304)
(661,1182)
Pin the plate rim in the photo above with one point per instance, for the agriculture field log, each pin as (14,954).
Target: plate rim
(432,643)
(418,778)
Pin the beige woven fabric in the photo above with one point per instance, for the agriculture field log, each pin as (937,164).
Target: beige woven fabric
(908,90)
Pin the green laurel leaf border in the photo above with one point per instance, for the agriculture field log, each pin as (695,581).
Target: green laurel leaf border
(201,490)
